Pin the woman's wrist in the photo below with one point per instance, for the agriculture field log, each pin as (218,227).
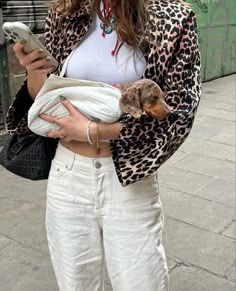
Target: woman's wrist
(106,131)
(92,132)
(35,83)
(88,132)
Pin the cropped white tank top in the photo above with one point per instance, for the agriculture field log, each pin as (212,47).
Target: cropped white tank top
(93,59)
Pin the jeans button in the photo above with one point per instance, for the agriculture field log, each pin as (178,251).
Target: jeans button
(97,165)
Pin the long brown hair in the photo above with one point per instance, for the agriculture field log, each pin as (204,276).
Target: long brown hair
(130,15)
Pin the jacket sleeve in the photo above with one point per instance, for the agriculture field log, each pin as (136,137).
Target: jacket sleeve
(145,144)
(16,120)
(17,115)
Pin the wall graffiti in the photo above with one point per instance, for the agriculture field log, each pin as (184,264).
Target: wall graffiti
(202,5)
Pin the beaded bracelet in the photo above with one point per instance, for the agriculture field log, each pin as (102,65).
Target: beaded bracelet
(88,132)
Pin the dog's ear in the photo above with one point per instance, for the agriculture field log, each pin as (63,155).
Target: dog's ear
(135,96)
(130,103)
(139,92)
(142,96)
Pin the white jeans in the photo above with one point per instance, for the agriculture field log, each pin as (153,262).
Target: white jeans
(91,219)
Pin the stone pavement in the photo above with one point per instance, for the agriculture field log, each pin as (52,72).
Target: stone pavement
(198,194)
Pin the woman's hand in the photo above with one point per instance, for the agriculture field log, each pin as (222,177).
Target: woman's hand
(37,74)
(72,127)
(31,61)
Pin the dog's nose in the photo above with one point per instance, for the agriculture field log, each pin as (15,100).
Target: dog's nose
(168,110)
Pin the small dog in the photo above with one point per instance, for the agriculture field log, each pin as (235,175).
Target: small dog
(143,95)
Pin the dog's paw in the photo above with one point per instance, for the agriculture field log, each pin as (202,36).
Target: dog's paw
(136,114)
(122,86)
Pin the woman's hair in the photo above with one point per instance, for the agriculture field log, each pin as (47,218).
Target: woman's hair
(130,15)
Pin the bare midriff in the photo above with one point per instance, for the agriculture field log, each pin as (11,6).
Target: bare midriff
(88,150)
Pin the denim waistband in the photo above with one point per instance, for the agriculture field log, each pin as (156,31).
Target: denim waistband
(71,159)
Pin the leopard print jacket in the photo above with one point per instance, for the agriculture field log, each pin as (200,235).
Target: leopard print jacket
(173,61)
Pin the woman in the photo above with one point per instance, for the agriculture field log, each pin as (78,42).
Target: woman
(103,199)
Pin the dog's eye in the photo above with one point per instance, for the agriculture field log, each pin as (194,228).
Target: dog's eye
(153,99)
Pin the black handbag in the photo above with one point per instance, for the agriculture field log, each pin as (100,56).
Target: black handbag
(28,156)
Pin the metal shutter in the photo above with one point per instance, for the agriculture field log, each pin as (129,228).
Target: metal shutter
(1,115)
(31,12)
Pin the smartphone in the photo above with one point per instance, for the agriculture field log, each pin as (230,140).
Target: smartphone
(18,31)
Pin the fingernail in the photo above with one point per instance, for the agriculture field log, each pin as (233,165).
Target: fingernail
(23,41)
(48,59)
(62,98)
(40,51)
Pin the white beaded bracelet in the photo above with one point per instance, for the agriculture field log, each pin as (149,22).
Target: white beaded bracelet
(88,132)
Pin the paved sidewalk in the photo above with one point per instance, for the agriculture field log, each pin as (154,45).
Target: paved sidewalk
(198,194)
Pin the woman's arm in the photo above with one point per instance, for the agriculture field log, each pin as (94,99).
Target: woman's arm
(16,121)
(35,83)
(145,144)
(106,131)
(75,125)
(36,73)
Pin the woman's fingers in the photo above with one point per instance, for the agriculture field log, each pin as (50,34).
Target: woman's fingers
(71,109)
(40,64)
(49,118)
(55,134)
(30,57)
(18,49)
(45,71)
(74,114)
(67,104)
(53,119)
(32,60)
(58,122)
(71,127)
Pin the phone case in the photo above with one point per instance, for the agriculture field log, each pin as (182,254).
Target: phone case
(18,31)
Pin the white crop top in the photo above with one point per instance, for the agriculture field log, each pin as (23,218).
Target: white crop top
(93,59)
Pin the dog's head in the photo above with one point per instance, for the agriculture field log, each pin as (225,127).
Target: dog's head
(158,110)
(130,102)
(144,95)
(153,103)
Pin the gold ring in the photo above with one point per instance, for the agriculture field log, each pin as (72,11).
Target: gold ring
(60,135)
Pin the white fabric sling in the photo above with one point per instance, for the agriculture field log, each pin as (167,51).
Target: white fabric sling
(97,100)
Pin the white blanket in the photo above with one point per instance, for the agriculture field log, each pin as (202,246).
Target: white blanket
(97,100)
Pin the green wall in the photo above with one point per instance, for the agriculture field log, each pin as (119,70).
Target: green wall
(217,36)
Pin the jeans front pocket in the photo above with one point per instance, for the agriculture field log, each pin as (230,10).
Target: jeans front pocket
(58,169)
